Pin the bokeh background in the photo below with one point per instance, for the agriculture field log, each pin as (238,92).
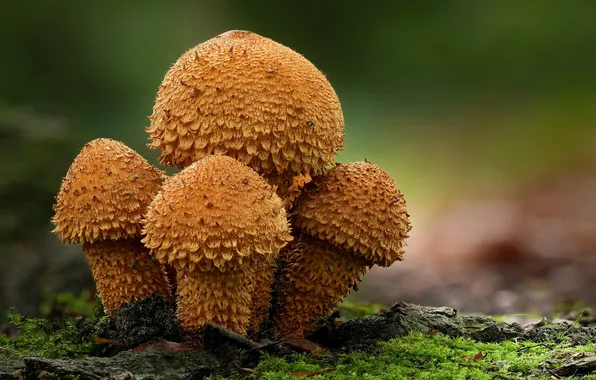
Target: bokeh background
(484,112)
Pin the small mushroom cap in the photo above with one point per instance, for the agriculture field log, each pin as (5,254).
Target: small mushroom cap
(250,98)
(105,193)
(357,207)
(217,212)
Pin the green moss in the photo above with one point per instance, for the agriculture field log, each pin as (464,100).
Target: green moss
(70,328)
(349,309)
(421,356)
(47,338)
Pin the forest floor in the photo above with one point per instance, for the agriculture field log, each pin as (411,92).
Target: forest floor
(405,341)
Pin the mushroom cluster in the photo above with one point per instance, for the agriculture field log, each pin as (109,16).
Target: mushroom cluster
(254,128)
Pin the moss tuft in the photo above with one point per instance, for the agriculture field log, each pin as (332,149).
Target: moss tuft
(60,335)
(47,338)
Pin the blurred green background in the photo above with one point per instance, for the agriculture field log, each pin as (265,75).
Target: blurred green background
(456,99)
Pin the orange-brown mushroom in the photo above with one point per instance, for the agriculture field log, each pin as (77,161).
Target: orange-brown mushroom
(316,278)
(261,297)
(216,221)
(288,186)
(251,98)
(351,218)
(101,203)
(124,271)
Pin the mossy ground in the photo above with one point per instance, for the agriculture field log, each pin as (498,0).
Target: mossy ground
(416,356)
(49,338)
(432,356)
(423,356)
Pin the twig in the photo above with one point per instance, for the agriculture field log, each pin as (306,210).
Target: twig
(230,335)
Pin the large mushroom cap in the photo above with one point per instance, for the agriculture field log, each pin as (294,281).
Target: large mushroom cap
(250,98)
(357,207)
(105,193)
(217,211)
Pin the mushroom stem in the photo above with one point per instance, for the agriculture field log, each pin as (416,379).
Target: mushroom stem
(261,297)
(124,271)
(316,279)
(213,296)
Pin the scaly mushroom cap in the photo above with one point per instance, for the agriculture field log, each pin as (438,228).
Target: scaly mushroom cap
(105,193)
(250,98)
(357,207)
(217,212)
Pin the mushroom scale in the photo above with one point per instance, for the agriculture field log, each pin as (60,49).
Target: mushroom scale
(251,98)
(288,186)
(356,206)
(216,221)
(101,203)
(316,278)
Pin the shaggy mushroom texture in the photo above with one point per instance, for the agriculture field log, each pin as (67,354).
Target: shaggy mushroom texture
(288,186)
(357,207)
(315,280)
(216,221)
(101,203)
(124,271)
(350,219)
(261,300)
(251,98)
